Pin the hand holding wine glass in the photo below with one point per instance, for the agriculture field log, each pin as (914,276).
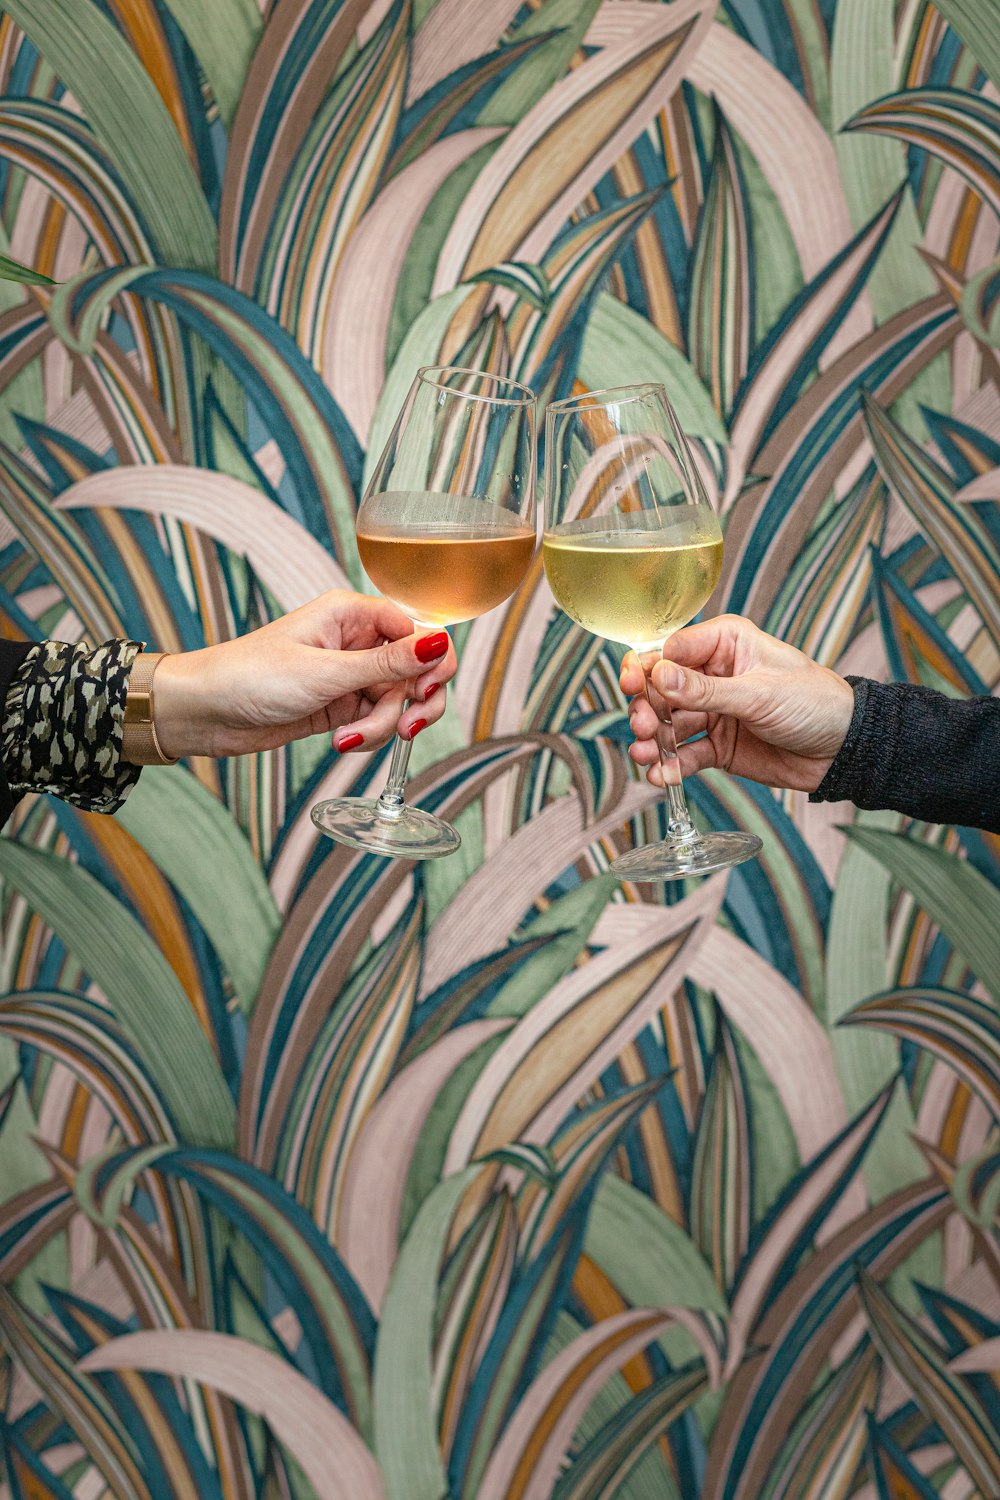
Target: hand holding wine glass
(759,707)
(445,530)
(632,551)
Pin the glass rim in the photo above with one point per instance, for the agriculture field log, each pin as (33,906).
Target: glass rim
(623,394)
(426,373)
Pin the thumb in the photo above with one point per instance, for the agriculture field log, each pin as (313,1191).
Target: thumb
(700,693)
(393,661)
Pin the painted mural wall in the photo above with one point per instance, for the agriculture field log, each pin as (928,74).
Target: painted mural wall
(327,1177)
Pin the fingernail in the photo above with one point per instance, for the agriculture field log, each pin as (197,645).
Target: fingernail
(431,690)
(416,727)
(671,678)
(432,647)
(350,742)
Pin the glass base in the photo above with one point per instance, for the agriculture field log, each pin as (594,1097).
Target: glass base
(410,834)
(680,861)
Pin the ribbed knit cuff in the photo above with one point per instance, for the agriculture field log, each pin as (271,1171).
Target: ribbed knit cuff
(921,753)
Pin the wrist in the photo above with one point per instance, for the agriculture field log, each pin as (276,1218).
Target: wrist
(841,712)
(838,712)
(183,719)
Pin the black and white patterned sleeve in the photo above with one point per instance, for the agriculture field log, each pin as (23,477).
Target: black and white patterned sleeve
(64,716)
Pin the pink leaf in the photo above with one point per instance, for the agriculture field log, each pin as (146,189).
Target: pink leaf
(491,902)
(288,561)
(556,1401)
(790,1041)
(332,1455)
(367,1229)
(562,147)
(353,338)
(793,151)
(984,1356)
(564,1043)
(983,487)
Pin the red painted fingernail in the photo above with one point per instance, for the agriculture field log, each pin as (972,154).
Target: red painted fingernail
(431,647)
(431,690)
(350,742)
(416,728)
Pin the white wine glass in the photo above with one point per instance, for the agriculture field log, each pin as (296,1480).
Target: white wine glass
(446,530)
(632,550)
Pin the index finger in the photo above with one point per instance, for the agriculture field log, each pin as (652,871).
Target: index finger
(386,619)
(709,641)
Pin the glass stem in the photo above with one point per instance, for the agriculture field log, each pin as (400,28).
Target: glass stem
(392,801)
(680,829)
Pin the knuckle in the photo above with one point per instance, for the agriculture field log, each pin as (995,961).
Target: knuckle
(387,659)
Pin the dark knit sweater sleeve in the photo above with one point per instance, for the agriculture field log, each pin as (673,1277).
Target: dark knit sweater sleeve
(920,753)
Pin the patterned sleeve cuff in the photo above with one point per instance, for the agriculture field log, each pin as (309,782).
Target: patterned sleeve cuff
(63,724)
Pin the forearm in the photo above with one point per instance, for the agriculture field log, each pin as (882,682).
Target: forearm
(920,753)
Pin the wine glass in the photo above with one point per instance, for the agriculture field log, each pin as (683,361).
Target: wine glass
(632,550)
(446,530)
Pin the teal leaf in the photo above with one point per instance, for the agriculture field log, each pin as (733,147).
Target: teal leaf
(537,1161)
(959,1029)
(722,1169)
(721,311)
(946,1398)
(962,129)
(928,494)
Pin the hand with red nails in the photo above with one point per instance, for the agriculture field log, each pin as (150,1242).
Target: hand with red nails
(764,710)
(343,665)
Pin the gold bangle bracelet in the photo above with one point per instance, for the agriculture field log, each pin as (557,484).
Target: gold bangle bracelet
(139,743)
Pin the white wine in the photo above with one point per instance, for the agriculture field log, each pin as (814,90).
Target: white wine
(440,575)
(634,585)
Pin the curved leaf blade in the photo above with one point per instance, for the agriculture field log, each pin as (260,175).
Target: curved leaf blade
(525,1463)
(962,1031)
(768,1391)
(823,1451)
(960,128)
(156,1016)
(953,893)
(169,813)
(131,121)
(84,1037)
(12,270)
(224,37)
(619,347)
(722,1169)
(406,1436)
(721,310)
(333,1457)
(947,1398)
(602,1467)
(77,1397)
(928,494)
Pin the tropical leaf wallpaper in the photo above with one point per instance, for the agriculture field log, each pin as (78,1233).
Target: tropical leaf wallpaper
(327,1178)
